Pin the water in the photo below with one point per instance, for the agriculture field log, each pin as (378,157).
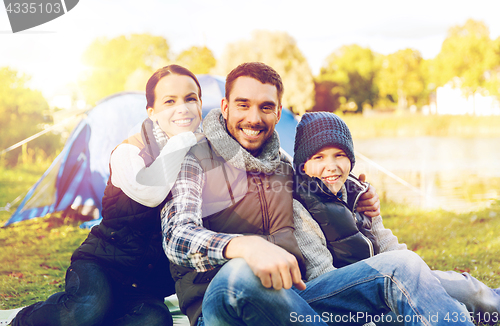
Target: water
(458,174)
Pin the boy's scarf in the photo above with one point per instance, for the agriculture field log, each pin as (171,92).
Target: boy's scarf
(226,146)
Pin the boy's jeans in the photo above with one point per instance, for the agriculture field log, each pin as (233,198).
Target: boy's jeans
(356,294)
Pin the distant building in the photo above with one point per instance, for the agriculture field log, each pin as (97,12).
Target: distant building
(452,100)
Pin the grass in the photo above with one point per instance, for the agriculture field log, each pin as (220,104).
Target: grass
(35,254)
(467,242)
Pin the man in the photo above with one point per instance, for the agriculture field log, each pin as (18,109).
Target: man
(227,233)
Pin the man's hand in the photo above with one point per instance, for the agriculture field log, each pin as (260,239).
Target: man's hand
(369,203)
(275,267)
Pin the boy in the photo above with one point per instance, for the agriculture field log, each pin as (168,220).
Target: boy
(323,160)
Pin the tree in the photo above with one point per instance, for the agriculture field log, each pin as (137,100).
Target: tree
(21,115)
(327,96)
(467,54)
(493,75)
(278,50)
(198,59)
(121,62)
(402,78)
(354,69)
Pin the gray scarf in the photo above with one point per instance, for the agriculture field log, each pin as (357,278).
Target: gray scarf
(227,147)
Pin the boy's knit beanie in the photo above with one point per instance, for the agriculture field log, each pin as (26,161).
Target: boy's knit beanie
(317,130)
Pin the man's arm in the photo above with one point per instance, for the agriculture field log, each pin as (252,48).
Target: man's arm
(187,243)
(369,203)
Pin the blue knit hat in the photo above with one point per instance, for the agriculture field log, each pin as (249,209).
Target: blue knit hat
(317,130)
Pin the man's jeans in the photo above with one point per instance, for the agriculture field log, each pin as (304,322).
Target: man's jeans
(91,297)
(397,281)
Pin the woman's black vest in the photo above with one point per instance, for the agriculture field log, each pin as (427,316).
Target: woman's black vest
(128,241)
(347,232)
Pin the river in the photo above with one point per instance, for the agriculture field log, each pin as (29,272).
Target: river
(458,174)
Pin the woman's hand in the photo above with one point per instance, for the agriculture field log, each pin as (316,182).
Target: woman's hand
(199,136)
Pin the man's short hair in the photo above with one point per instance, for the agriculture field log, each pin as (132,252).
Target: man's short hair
(256,70)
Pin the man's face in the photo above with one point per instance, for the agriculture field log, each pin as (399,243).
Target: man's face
(251,113)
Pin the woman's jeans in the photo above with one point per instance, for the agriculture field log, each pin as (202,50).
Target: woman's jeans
(360,293)
(91,297)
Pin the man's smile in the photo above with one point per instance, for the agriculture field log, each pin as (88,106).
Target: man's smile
(251,132)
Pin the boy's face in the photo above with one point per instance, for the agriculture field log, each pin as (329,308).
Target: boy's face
(331,165)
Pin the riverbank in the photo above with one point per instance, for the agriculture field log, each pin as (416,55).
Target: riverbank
(373,125)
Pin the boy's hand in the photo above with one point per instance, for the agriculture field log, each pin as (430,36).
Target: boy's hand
(369,203)
(275,266)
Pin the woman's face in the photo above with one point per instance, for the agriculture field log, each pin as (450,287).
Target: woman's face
(177,107)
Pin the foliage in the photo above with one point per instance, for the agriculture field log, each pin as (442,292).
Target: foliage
(467,53)
(198,59)
(354,68)
(492,76)
(122,63)
(22,115)
(280,51)
(402,78)
(327,96)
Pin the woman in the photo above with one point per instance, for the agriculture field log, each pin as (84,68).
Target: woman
(120,274)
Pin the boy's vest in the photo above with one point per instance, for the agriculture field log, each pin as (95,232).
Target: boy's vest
(348,233)
(238,202)
(128,241)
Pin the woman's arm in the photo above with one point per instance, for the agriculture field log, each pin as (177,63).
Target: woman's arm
(149,186)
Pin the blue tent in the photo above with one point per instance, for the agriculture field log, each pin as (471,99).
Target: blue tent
(75,181)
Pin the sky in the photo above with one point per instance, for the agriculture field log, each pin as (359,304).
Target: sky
(50,53)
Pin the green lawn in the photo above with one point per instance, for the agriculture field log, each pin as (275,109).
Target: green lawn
(36,253)
(466,242)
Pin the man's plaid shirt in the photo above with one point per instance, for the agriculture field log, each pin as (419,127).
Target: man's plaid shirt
(185,241)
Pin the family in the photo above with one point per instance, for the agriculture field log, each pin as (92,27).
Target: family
(213,211)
